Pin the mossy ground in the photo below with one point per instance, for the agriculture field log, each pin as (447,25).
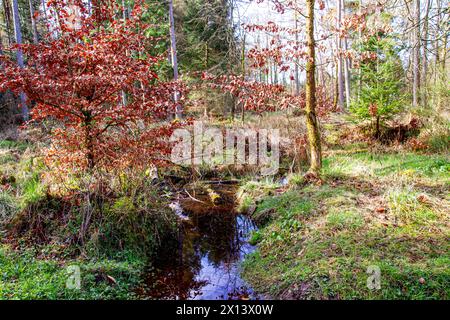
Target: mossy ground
(379,208)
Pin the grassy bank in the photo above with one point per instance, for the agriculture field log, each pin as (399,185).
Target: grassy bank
(27,274)
(382,209)
(124,218)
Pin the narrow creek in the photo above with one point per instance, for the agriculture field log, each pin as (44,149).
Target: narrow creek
(204,262)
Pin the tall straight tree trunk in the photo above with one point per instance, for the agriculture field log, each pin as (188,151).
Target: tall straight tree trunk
(346,67)
(340,66)
(8,22)
(297,73)
(89,7)
(360,50)
(173,54)
(44,10)
(124,17)
(336,87)
(243,73)
(18,35)
(424,55)
(416,54)
(33,22)
(436,44)
(206,62)
(311,118)
(443,72)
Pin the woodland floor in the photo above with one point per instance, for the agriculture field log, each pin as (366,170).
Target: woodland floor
(376,206)
(380,207)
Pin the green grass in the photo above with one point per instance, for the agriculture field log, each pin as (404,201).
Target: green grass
(339,220)
(387,210)
(14,145)
(24,276)
(386,164)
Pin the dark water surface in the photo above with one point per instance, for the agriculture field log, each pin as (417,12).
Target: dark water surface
(204,263)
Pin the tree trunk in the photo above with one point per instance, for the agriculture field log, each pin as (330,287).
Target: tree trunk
(89,6)
(424,55)
(243,74)
(336,88)
(8,22)
(416,54)
(346,68)
(311,118)
(340,78)
(297,73)
(233,106)
(44,10)
(206,62)
(443,86)
(173,53)
(88,140)
(18,34)
(377,128)
(124,16)
(33,23)
(360,50)
(436,44)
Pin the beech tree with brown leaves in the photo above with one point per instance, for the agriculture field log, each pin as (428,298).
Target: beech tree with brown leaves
(78,80)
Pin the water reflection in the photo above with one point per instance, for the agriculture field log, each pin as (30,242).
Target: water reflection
(204,262)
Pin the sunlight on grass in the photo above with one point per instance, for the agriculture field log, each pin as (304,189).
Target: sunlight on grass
(371,212)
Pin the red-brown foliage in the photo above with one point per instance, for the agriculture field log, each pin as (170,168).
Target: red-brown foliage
(77,78)
(260,97)
(253,95)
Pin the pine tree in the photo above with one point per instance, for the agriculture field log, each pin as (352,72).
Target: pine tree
(382,83)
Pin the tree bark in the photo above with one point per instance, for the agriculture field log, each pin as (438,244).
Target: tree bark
(424,55)
(444,74)
(173,53)
(311,118)
(360,50)
(33,23)
(346,67)
(436,44)
(416,54)
(88,140)
(297,73)
(18,35)
(8,22)
(44,10)
(243,74)
(124,17)
(340,67)
(206,62)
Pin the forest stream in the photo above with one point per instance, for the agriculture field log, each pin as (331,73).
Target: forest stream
(204,262)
